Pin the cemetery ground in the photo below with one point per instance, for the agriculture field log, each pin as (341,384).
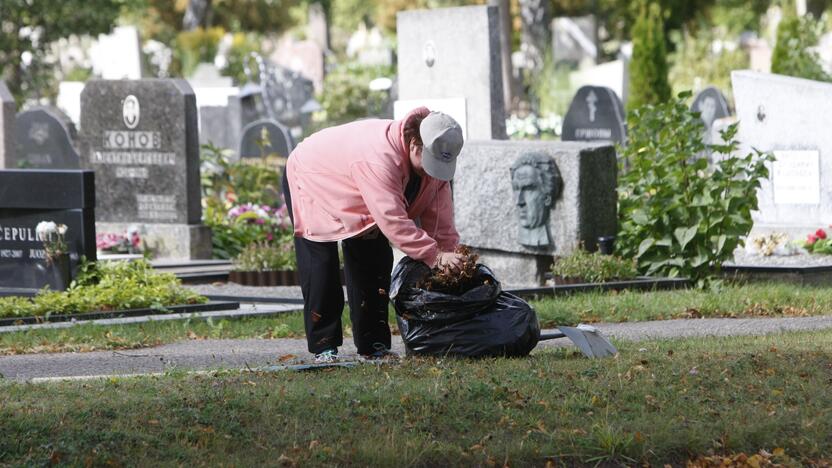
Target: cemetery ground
(732,300)
(753,400)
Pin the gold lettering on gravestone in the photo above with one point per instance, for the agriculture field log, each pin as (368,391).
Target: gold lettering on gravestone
(156,207)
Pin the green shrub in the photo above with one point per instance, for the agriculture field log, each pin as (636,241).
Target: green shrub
(678,215)
(105,287)
(347,96)
(241,45)
(648,68)
(792,55)
(264,256)
(696,65)
(594,267)
(197,46)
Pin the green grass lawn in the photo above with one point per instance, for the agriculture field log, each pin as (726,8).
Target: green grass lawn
(752,300)
(657,402)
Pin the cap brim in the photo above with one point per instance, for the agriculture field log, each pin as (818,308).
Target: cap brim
(435,168)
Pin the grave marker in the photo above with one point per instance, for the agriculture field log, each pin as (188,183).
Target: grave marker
(265,137)
(30,196)
(711,105)
(140,137)
(45,139)
(7,110)
(517,236)
(596,113)
(789,117)
(454,53)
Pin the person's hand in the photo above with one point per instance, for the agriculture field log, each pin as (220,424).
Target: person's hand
(449,261)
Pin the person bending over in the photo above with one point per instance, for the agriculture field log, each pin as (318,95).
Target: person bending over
(369,184)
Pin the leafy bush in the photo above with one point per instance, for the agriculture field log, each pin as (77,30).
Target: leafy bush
(594,267)
(678,215)
(792,54)
(196,46)
(106,287)
(242,202)
(235,57)
(704,59)
(264,256)
(256,181)
(347,96)
(648,68)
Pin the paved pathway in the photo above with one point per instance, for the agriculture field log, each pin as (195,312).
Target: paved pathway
(240,354)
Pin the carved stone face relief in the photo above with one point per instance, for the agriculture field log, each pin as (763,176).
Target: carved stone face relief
(536,182)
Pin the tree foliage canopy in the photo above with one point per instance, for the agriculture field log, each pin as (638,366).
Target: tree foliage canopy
(28,27)
(648,68)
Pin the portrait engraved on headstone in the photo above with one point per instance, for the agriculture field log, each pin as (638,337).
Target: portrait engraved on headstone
(536,183)
(711,105)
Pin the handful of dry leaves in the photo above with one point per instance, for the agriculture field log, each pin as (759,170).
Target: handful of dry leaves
(454,282)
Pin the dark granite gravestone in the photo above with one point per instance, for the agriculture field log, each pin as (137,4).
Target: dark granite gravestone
(45,140)
(711,105)
(596,113)
(7,110)
(140,137)
(265,137)
(30,196)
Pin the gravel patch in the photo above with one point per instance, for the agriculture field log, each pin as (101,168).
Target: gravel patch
(233,289)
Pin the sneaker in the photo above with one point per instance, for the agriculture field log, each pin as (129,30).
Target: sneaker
(381,353)
(327,357)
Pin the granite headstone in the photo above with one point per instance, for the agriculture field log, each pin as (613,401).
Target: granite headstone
(30,196)
(7,111)
(488,210)
(45,139)
(789,117)
(455,53)
(711,105)
(140,137)
(596,113)
(265,137)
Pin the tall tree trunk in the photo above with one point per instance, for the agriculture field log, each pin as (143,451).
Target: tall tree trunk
(505,50)
(196,15)
(536,16)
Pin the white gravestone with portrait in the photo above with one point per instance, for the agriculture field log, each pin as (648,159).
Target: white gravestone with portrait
(454,53)
(140,138)
(789,117)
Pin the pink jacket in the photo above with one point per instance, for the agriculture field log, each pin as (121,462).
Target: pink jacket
(345,180)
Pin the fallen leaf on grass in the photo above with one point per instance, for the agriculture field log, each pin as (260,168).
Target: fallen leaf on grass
(286,357)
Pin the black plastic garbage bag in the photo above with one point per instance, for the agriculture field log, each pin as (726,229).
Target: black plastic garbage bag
(483,321)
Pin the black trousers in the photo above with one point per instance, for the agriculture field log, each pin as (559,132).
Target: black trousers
(368,263)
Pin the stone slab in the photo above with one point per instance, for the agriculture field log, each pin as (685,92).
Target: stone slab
(595,114)
(169,241)
(485,207)
(28,197)
(141,138)
(46,139)
(7,111)
(265,137)
(453,53)
(784,114)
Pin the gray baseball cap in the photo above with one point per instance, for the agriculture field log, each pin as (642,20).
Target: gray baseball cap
(442,142)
